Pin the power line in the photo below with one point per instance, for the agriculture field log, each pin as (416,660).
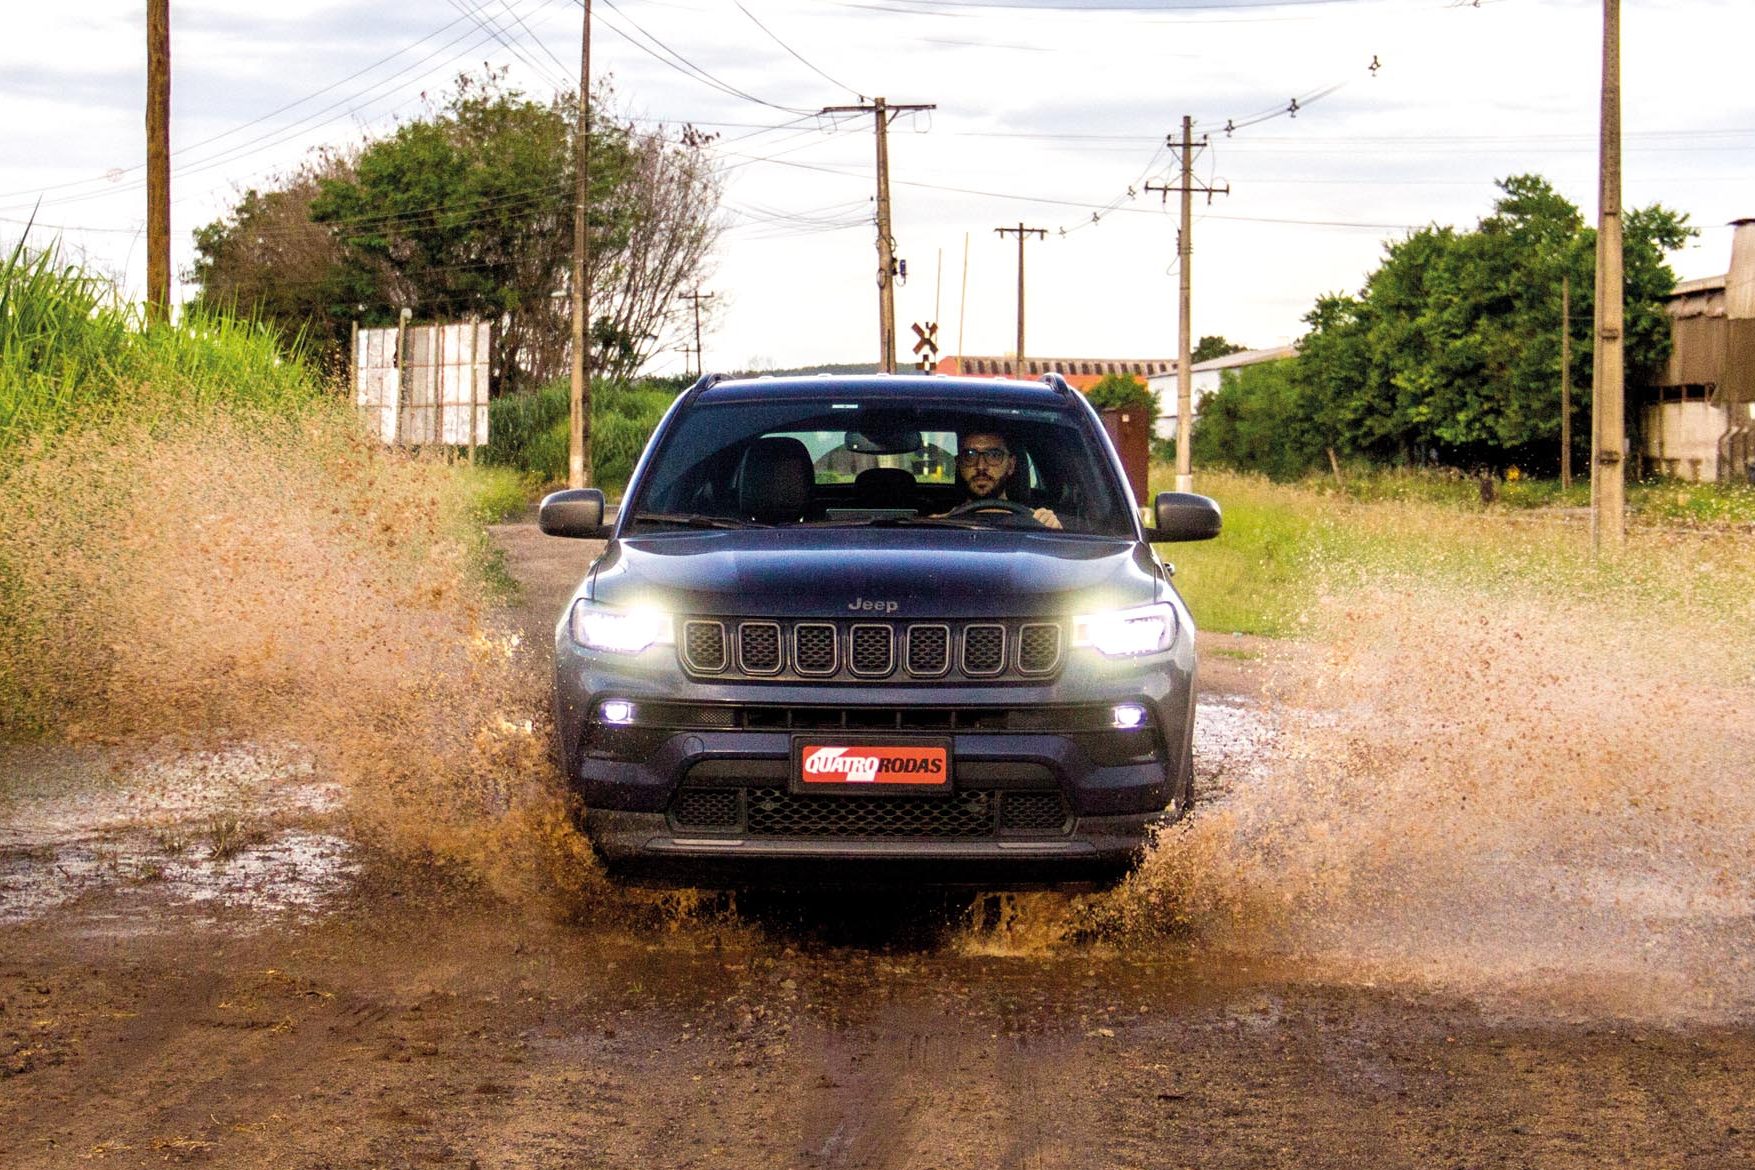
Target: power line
(808,65)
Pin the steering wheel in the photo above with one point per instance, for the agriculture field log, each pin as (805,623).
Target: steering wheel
(1008,507)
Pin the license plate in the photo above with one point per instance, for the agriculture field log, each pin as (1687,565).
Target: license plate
(857,764)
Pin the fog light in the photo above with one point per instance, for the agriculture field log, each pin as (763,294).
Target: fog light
(1128,716)
(616,711)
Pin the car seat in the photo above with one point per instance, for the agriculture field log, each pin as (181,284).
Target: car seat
(775,480)
(885,487)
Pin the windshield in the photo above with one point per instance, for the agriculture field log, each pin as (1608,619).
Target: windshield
(874,463)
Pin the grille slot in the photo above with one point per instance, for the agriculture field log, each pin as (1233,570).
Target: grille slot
(704,647)
(1038,649)
(758,647)
(813,648)
(983,649)
(929,650)
(706,808)
(1043,811)
(775,812)
(873,652)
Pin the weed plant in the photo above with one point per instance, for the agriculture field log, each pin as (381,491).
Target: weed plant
(529,430)
(1288,546)
(71,350)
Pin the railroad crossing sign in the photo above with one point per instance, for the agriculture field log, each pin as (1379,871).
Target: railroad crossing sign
(927,346)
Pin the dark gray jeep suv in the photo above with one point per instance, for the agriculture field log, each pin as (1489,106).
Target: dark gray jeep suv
(876,628)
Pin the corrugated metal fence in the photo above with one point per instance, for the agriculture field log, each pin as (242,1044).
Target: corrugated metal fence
(434,392)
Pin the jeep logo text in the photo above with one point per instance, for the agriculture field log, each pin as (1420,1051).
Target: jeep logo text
(862,605)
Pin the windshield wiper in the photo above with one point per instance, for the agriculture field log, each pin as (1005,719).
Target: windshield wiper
(695,520)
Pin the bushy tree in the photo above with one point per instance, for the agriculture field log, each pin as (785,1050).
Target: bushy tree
(267,258)
(1122,392)
(1213,346)
(1257,420)
(1452,349)
(467,211)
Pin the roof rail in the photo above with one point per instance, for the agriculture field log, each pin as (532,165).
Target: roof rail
(1057,383)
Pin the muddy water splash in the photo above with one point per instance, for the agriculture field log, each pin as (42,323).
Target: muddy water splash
(280,591)
(1537,802)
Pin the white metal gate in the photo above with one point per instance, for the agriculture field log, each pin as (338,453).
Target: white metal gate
(435,391)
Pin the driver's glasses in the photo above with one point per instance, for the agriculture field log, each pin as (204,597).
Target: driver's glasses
(987,456)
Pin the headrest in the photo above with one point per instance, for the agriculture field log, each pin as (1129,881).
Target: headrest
(884,487)
(774,483)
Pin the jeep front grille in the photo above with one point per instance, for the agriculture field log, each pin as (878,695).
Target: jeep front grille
(1000,651)
(758,647)
(929,650)
(874,650)
(1038,648)
(814,648)
(983,650)
(703,647)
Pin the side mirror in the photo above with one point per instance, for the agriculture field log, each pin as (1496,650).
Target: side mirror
(576,512)
(1184,516)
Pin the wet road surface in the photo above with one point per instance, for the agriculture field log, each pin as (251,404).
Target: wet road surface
(236,982)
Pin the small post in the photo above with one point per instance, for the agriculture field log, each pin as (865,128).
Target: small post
(401,367)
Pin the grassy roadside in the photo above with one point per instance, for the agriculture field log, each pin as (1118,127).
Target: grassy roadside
(1287,547)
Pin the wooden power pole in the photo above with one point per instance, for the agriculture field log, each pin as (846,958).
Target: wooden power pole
(1608,473)
(158,161)
(579,428)
(697,297)
(1185,303)
(1022,233)
(1565,381)
(882,112)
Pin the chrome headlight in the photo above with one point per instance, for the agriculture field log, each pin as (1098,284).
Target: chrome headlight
(619,631)
(1124,633)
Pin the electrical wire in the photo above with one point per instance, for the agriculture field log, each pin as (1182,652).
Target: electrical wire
(772,36)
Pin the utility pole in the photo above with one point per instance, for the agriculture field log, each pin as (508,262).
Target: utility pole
(158,161)
(1022,233)
(1566,381)
(1608,474)
(882,113)
(698,296)
(579,423)
(1185,301)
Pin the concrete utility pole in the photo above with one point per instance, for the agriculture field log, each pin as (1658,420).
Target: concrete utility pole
(1566,381)
(1185,301)
(1022,233)
(882,113)
(1608,475)
(698,296)
(579,424)
(158,161)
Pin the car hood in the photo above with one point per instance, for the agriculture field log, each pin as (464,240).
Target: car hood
(852,573)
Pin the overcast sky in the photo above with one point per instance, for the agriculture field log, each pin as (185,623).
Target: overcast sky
(1048,112)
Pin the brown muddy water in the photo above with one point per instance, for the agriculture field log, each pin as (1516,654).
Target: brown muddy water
(1448,898)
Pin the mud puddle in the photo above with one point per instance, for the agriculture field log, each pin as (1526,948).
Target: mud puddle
(249,834)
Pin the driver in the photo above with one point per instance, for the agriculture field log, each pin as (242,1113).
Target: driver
(985,464)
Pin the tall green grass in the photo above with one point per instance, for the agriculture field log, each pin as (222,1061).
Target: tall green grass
(70,348)
(1288,548)
(529,430)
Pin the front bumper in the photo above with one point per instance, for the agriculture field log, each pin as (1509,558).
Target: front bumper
(646,847)
(734,739)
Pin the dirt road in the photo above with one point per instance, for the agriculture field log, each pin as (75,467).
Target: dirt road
(330,1007)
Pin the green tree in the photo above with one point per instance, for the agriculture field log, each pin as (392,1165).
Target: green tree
(266,258)
(1452,349)
(1121,392)
(1213,346)
(468,211)
(1258,420)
